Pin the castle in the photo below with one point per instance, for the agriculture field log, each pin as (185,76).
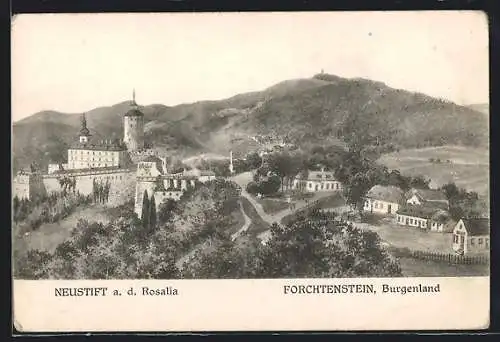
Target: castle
(126,166)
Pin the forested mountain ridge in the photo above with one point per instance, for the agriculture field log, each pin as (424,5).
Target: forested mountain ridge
(323,109)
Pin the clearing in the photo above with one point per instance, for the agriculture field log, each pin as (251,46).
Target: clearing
(411,237)
(468,167)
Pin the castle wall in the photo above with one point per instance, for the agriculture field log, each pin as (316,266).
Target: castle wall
(51,184)
(20,187)
(140,186)
(149,184)
(28,186)
(122,183)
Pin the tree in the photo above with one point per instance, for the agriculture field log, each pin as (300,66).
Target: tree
(451,191)
(253,188)
(152,213)
(16,205)
(419,182)
(145,211)
(166,211)
(396,179)
(269,186)
(284,165)
(357,188)
(253,160)
(315,245)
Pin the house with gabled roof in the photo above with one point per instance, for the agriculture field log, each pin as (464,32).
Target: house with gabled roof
(430,197)
(471,235)
(317,181)
(382,199)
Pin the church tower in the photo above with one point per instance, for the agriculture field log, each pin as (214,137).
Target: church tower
(84,131)
(133,127)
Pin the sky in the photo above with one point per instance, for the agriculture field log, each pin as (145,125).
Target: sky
(76,62)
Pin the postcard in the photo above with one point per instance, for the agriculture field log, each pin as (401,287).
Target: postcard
(297,171)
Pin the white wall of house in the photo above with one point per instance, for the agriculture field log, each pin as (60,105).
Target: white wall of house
(380,207)
(317,186)
(460,237)
(436,226)
(84,159)
(412,221)
(420,222)
(469,244)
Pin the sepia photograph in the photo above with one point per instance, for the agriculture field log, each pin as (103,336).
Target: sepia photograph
(233,146)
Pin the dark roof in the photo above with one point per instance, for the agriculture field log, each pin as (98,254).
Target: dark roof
(422,211)
(84,131)
(389,193)
(134,111)
(477,226)
(429,194)
(98,146)
(71,171)
(317,175)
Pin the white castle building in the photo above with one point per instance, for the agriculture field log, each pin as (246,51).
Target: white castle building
(125,165)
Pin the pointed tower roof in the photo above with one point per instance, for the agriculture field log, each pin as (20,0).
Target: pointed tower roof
(134,111)
(84,131)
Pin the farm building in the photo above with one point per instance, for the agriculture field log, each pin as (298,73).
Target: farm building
(471,235)
(430,197)
(383,199)
(316,181)
(425,217)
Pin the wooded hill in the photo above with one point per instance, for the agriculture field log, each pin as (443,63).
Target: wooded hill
(324,109)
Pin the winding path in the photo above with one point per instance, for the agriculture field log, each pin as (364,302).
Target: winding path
(243,179)
(248,221)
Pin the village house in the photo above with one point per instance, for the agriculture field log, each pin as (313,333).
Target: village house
(316,181)
(471,235)
(383,199)
(430,197)
(425,217)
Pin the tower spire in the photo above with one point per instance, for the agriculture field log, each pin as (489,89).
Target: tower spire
(84,131)
(84,122)
(134,104)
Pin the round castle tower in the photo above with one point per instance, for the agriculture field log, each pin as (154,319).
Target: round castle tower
(133,128)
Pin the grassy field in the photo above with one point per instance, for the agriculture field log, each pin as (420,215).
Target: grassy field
(423,268)
(468,167)
(258,225)
(272,206)
(411,237)
(49,235)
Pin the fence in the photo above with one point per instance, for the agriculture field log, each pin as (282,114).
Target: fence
(451,258)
